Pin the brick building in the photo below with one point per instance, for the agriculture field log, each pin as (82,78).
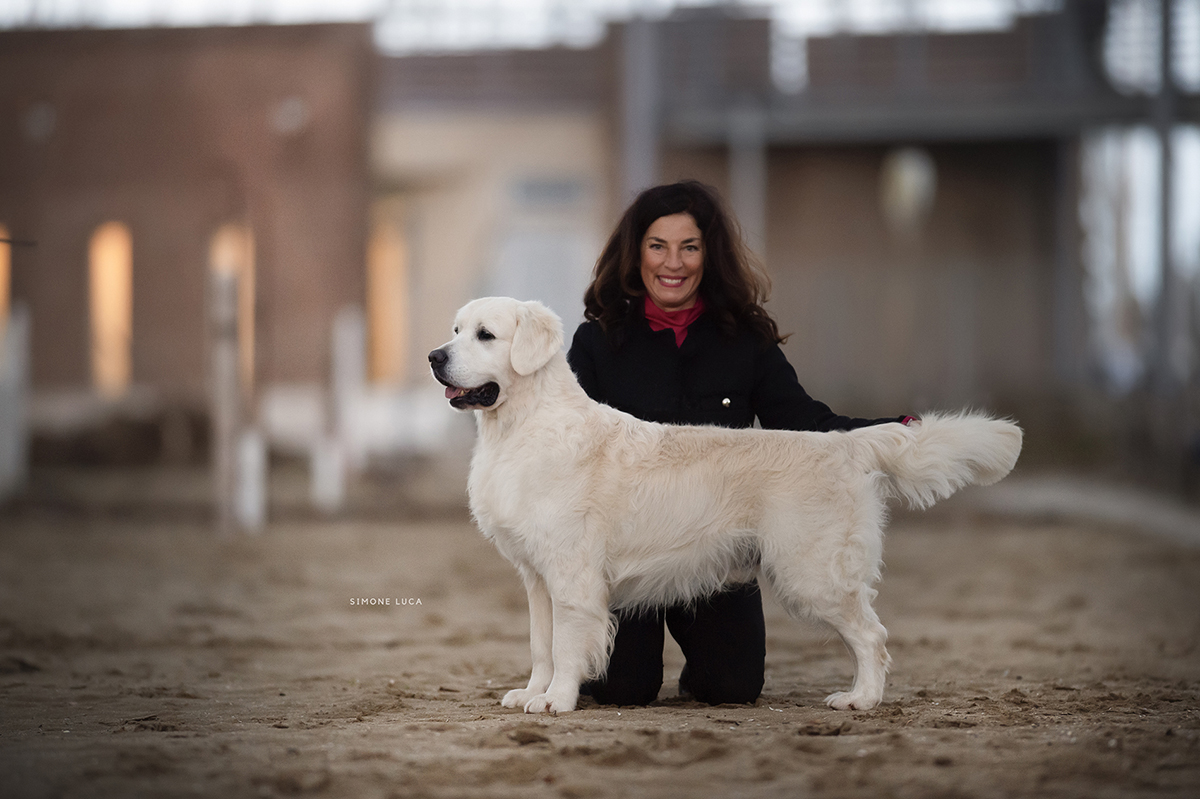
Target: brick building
(167,147)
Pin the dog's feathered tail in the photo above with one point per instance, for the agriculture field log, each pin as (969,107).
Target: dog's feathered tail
(940,454)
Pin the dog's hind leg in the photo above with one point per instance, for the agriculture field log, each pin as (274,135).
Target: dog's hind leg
(865,637)
(857,624)
(831,583)
(541,640)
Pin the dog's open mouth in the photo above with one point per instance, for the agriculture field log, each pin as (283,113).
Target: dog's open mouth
(480,397)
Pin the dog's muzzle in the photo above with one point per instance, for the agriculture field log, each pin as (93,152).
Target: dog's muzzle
(462,398)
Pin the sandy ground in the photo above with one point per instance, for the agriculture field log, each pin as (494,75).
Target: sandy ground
(142,656)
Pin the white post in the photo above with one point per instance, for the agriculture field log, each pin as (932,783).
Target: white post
(14,387)
(251,502)
(335,453)
(328,467)
(225,395)
(349,361)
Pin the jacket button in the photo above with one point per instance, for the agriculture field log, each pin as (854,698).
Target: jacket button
(725,402)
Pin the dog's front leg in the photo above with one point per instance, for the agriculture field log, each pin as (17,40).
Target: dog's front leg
(541,640)
(580,642)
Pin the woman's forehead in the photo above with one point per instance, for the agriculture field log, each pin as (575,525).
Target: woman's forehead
(679,226)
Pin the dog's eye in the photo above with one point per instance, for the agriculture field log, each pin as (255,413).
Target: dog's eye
(484,334)
(456,330)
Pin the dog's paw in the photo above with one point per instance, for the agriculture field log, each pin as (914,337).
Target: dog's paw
(847,700)
(850,701)
(517,697)
(545,703)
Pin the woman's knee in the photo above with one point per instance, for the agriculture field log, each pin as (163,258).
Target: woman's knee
(723,688)
(625,692)
(733,692)
(635,666)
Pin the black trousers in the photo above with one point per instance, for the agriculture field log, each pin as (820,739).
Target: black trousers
(723,639)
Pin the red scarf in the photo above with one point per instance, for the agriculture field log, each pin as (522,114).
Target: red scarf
(677,321)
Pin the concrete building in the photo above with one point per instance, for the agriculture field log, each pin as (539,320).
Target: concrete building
(916,205)
(141,160)
(492,174)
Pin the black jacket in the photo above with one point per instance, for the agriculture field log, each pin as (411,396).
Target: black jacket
(711,379)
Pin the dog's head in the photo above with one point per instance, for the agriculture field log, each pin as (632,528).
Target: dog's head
(497,340)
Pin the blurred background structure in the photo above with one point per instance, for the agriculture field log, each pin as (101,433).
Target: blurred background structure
(992,203)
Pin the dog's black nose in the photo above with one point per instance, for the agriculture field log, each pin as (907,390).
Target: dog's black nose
(438,357)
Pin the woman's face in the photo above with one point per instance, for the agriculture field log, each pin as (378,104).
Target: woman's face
(673,261)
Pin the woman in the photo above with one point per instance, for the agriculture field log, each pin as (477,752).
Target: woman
(676,333)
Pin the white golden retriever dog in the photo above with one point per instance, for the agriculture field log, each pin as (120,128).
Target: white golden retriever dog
(599,510)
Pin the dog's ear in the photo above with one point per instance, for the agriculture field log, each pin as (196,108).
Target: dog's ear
(537,337)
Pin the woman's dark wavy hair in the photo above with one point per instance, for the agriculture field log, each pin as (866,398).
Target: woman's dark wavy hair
(734,288)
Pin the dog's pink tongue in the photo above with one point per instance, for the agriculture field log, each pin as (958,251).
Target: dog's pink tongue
(451,392)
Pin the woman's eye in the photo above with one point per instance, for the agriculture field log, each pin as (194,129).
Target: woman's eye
(484,335)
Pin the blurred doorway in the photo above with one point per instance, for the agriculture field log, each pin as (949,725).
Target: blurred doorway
(387,296)
(110,293)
